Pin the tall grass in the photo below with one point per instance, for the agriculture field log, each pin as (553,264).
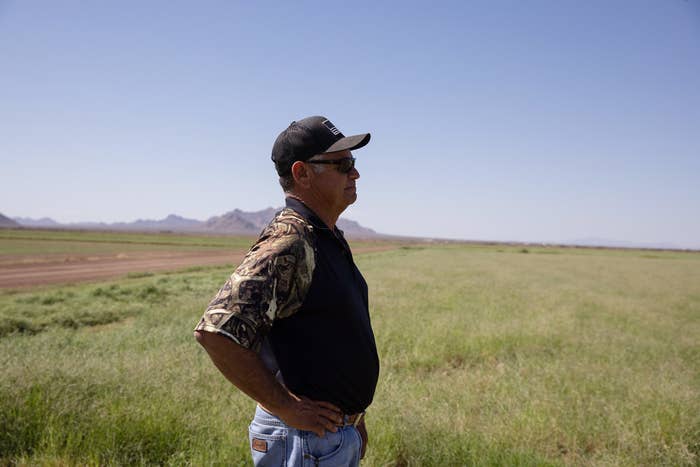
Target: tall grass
(488,358)
(584,359)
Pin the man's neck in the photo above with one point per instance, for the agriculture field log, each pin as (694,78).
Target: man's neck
(328,218)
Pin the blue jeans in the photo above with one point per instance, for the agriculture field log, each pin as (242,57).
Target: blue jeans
(274,443)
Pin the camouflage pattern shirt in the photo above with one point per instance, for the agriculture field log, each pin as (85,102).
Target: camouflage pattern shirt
(269,284)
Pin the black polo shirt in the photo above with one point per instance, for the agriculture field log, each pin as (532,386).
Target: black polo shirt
(326,350)
(300,302)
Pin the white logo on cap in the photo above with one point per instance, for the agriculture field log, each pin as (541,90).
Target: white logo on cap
(328,124)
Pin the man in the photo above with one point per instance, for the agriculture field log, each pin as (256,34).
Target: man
(291,327)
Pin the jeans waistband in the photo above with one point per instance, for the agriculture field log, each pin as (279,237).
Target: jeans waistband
(263,416)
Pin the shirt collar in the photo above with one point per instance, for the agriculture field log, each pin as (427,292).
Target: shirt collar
(305,212)
(309,215)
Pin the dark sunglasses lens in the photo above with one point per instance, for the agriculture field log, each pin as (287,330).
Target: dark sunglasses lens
(346,165)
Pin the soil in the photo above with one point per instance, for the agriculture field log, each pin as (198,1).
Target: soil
(55,269)
(29,271)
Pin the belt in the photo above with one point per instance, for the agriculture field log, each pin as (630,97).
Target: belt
(353,419)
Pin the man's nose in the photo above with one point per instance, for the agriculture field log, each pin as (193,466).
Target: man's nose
(354,174)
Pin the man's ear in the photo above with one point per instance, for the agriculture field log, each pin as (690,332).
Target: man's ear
(301,174)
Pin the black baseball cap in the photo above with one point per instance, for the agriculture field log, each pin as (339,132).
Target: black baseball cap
(305,138)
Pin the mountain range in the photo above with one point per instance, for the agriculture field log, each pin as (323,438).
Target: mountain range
(7,222)
(234,222)
(239,222)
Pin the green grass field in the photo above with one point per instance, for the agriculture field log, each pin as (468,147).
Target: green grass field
(490,355)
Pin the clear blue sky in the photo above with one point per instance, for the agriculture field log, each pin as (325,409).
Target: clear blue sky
(494,120)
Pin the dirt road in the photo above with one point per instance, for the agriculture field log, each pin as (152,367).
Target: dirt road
(28,271)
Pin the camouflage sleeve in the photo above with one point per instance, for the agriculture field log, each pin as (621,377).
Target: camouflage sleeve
(270,283)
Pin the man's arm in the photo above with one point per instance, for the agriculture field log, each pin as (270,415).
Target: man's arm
(246,370)
(363,434)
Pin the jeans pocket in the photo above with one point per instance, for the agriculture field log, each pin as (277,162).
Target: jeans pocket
(325,450)
(268,444)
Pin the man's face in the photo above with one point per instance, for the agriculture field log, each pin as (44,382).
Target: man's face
(337,190)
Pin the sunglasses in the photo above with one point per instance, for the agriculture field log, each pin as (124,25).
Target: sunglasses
(344,165)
